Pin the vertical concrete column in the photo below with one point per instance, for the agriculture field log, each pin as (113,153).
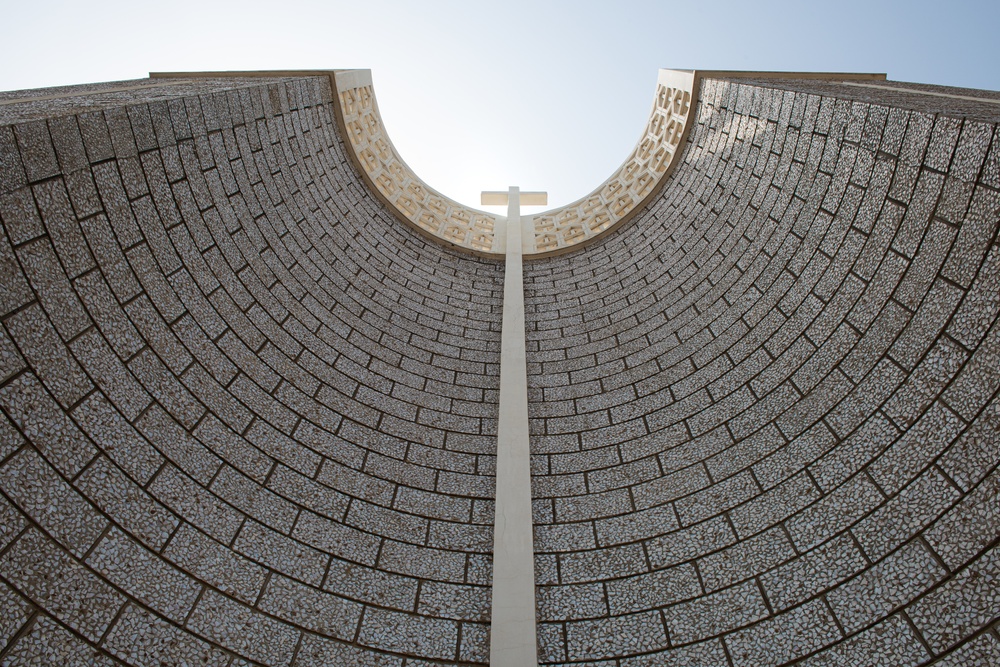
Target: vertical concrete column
(512,630)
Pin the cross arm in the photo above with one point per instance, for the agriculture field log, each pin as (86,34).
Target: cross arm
(501,198)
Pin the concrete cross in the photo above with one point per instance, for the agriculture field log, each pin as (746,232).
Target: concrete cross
(514,195)
(512,626)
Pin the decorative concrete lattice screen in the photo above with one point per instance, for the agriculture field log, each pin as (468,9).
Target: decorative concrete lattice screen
(624,193)
(638,178)
(429,210)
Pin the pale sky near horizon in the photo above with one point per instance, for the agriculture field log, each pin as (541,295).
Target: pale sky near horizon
(548,95)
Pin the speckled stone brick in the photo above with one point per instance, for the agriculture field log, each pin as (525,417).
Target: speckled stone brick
(316,651)
(825,566)
(600,563)
(745,559)
(140,637)
(961,605)
(578,601)
(43,349)
(713,614)
(14,612)
(616,635)
(891,642)
(127,503)
(37,153)
(688,543)
(408,633)
(370,585)
(44,424)
(74,595)
(49,643)
(983,650)
(311,608)
(194,504)
(243,630)
(888,584)
(704,654)
(336,538)
(968,526)
(654,590)
(117,438)
(47,499)
(810,626)
(222,568)
(901,517)
(422,562)
(144,575)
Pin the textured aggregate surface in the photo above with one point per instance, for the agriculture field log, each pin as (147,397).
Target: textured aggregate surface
(247,417)
(765,421)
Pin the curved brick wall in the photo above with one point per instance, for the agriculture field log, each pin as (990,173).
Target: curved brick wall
(765,422)
(246,415)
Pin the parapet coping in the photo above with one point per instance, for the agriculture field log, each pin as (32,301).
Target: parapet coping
(85,93)
(617,200)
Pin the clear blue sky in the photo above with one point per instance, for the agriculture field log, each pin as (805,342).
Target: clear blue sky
(475,95)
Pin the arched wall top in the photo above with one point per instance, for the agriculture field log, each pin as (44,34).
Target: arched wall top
(634,183)
(395,183)
(646,170)
(558,230)
(552,232)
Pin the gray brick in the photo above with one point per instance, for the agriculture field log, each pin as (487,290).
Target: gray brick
(47,574)
(716,613)
(888,584)
(311,608)
(144,575)
(243,630)
(801,630)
